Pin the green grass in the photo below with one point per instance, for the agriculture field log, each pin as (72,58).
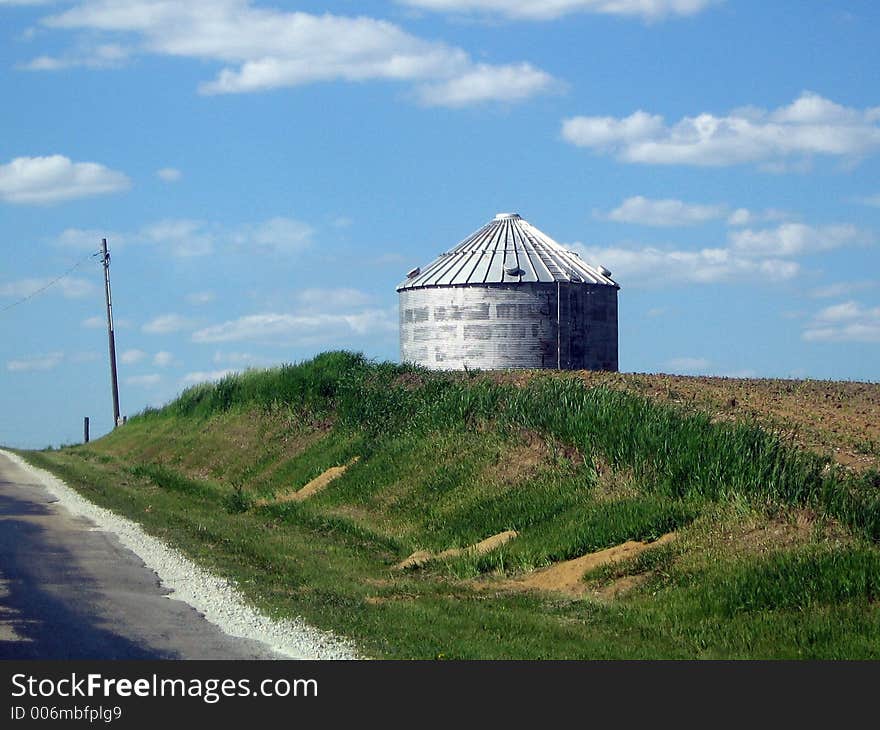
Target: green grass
(798,580)
(446,460)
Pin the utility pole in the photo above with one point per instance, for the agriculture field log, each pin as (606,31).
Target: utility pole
(110,335)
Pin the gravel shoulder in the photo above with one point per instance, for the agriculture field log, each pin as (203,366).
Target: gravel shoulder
(218,602)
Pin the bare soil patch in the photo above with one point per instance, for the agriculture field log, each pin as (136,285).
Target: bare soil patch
(768,534)
(613,483)
(519,463)
(423,557)
(312,488)
(621,586)
(567,577)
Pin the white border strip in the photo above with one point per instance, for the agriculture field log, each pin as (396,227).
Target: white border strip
(214,597)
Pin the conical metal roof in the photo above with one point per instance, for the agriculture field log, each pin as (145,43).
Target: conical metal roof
(507,250)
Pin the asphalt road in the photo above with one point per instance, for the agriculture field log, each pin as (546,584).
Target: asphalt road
(71,591)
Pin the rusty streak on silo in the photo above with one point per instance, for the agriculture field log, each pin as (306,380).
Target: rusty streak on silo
(509,296)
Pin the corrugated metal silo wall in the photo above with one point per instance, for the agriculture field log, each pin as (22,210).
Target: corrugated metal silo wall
(510,326)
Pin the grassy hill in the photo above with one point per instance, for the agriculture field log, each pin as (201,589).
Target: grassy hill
(773,505)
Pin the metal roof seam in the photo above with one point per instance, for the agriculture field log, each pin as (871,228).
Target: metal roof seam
(502,245)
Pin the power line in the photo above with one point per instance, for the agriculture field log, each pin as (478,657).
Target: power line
(46,286)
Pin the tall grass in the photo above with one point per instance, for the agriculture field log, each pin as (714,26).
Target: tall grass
(674,455)
(590,528)
(166,478)
(788,580)
(310,386)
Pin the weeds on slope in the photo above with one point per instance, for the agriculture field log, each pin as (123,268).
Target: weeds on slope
(433,475)
(674,455)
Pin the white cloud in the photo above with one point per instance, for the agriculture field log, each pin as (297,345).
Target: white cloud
(688,364)
(143,381)
(323,317)
(70,287)
(608,132)
(845,322)
(841,288)
(181,237)
(740,217)
(551,9)
(388,259)
(168,323)
(236,358)
(276,235)
(53,179)
(89,239)
(741,373)
(38,363)
(81,357)
(746,217)
(199,298)
(658,267)
(205,376)
(794,239)
(664,213)
(185,238)
(131,357)
(763,254)
(169,174)
(302,329)
(704,366)
(262,48)
(74,288)
(94,323)
(486,83)
(103,55)
(163,359)
(840,312)
(811,125)
(332,299)
(872,200)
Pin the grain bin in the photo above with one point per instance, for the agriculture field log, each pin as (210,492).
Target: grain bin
(509,296)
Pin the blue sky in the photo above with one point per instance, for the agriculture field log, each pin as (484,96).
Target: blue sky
(266,172)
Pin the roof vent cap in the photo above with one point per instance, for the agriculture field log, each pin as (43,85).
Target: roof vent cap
(505,216)
(602,270)
(413,272)
(513,271)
